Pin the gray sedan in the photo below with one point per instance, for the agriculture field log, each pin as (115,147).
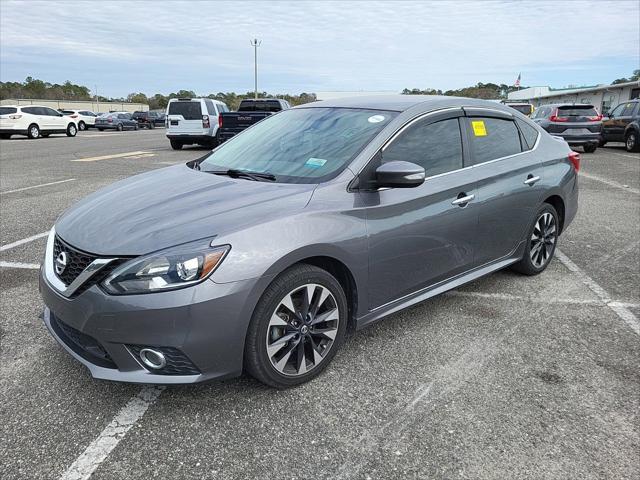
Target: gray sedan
(116,121)
(326,217)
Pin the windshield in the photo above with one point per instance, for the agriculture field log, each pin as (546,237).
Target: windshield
(309,145)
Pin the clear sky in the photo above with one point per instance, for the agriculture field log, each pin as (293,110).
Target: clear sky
(308,46)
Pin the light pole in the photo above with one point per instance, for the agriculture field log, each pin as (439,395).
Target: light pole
(255,43)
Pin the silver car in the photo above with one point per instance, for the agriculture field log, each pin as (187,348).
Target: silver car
(326,217)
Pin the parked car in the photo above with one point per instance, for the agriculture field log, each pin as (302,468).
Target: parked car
(249,112)
(580,125)
(116,121)
(522,107)
(84,118)
(148,119)
(258,255)
(34,121)
(623,125)
(193,121)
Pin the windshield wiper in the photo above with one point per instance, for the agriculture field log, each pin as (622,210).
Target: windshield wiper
(234,173)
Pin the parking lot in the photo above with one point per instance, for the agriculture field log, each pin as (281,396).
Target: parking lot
(507,377)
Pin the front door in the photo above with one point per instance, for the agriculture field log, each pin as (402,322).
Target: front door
(421,236)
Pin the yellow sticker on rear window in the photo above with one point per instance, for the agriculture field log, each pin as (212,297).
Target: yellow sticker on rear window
(479,130)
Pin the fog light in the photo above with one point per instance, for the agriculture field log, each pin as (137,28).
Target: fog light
(152,358)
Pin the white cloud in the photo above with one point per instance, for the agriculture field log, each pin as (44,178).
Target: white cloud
(322,45)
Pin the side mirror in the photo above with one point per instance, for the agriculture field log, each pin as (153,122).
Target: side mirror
(399,175)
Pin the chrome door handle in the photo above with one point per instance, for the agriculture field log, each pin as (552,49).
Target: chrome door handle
(531,180)
(463,200)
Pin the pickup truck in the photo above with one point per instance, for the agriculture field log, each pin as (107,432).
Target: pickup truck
(249,112)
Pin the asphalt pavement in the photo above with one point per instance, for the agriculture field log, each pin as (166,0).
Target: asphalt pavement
(507,377)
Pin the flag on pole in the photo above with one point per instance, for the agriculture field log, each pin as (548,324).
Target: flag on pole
(517,84)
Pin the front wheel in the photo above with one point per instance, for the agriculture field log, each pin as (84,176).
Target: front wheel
(71,130)
(590,148)
(82,126)
(119,127)
(101,129)
(5,136)
(631,142)
(135,127)
(296,328)
(151,126)
(541,242)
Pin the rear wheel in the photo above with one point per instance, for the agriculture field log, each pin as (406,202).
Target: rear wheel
(176,144)
(135,127)
(72,130)
(590,148)
(33,131)
(119,127)
(296,328)
(101,129)
(5,136)
(82,126)
(541,242)
(151,125)
(631,142)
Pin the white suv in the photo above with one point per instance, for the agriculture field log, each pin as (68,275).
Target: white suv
(84,118)
(193,120)
(34,121)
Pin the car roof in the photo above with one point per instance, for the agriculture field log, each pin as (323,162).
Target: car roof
(567,105)
(400,103)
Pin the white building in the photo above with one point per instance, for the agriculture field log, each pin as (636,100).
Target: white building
(97,107)
(603,97)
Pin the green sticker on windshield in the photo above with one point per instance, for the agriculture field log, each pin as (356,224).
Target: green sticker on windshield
(315,162)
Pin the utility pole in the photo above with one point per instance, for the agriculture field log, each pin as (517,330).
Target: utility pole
(255,44)
(97,101)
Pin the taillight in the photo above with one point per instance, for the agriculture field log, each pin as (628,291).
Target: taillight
(220,121)
(205,121)
(597,118)
(73,116)
(110,120)
(556,118)
(574,158)
(15,117)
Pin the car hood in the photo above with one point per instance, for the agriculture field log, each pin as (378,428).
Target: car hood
(171,206)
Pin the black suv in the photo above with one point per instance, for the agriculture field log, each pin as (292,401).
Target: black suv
(578,124)
(148,119)
(623,125)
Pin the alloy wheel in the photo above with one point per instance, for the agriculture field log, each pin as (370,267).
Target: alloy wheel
(631,142)
(302,329)
(543,240)
(35,132)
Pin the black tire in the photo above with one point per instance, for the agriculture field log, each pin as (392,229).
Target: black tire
(135,127)
(72,130)
(526,265)
(5,136)
(119,127)
(101,129)
(82,126)
(602,143)
(33,131)
(176,144)
(590,148)
(151,126)
(256,359)
(631,142)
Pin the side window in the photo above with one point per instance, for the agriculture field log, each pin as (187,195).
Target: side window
(493,138)
(628,110)
(211,110)
(529,133)
(437,147)
(617,111)
(50,112)
(31,110)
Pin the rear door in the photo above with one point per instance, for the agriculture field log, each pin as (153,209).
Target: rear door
(509,182)
(421,236)
(185,117)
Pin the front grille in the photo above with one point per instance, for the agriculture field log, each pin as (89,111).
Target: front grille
(177,362)
(81,343)
(77,261)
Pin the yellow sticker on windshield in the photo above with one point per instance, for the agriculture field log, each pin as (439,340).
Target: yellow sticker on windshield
(479,130)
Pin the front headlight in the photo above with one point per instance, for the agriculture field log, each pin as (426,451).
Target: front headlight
(169,269)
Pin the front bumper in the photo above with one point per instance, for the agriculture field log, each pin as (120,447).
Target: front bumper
(205,323)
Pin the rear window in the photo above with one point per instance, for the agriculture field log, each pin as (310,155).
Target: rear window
(260,106)
(8,110)
(493,138)
(188,110)
(577,111)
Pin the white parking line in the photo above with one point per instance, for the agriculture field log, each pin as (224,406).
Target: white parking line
(37,186)
(98,450)
(611,183)
(30,266)
(115,155)
(24,240)
(619,308)
(637,157)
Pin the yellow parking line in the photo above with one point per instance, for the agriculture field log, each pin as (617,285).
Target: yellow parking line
(115,155)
